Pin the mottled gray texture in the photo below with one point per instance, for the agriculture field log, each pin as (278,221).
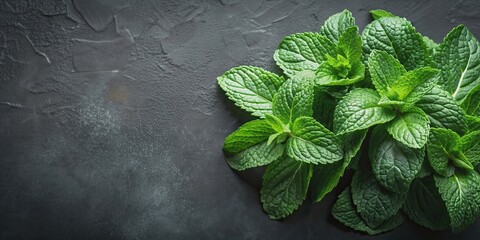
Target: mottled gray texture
(111,122)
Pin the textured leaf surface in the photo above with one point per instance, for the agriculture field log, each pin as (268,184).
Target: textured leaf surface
(461,193)
(294,98)
(345,212)
(375,204)
(470,147)
(251,88)
(473,123)
(327,75)
(440,145)
(303,51)
(425,206)
(410,128)
(442,110)
(284,188)
(247,135)
(338,23)
(379,13)
(350,44)
(399,38)
(384,70)
(458,58)
(326,176)
(256,156)
(358,110)
(471,104)
(394,164)
(313,143)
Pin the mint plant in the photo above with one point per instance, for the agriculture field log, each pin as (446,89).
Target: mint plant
(399,110)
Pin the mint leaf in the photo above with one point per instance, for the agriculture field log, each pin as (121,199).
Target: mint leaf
(294,98)
(470,146)
(384,70)
(323,106)
(458,58)
(328,75)
(394,164)
(311,142)
(431,45)
(350,44)
(375,204)
(251,88)
(247,135)
(258,155)
(410,81)
(442,110)
(425,206)
(471,104)
(380,13)
(344,211)
(284,188)
(326,176)
(303,51)
(337,24)
(440,145)
(461,193)
(473,123)
(410,128)
(399,38)
(358,110)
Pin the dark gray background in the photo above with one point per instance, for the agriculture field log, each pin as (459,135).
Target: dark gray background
(112,125)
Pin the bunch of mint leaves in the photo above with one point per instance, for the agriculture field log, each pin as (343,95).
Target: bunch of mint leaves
(398,109)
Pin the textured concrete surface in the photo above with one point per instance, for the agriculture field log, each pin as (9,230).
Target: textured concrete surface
(111,122)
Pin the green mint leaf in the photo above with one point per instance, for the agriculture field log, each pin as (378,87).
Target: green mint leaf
(410,128)
(276,123)
(247,135)
(375,204)
(359,110)
(380,13)
(461,193)
(384,71)
(337,24)
(411,80)
(284,188)
(399,38)
(473,123)
(256,156)
(328,76)
(295,98)
(386,102)
(311,142)
(303,51)
(460,161)
(458,59)
(471,104)
(470,147)
(425,206)
(350,44)
(323,106)
(394,164)
(428,80)
(326,176)
(442,110)
(345,211)
(439,147)
(431,45)
(251,88)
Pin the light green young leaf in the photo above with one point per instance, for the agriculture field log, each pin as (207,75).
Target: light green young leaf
(375,204)
(256,156)
(386,102)
(247,135)
(431,45)
(276,124)
(345,211)
(394,164)
(303,51)
(251,88)
(411,81)
(350,44)
(328,76)
(337,24)
(410,128)
(326,176)
(295,98)
(384,70)
(425,206)
(284,188)
(461,193)
(440,145)
(458,59)
(311,142)
(471,104)
(359,110)
(399,38)
(442,110)
(380,13)
(470,146)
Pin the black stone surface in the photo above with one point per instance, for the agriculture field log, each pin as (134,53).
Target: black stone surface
(112,125)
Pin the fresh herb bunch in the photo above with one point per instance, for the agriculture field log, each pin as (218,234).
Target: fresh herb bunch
(392,105)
